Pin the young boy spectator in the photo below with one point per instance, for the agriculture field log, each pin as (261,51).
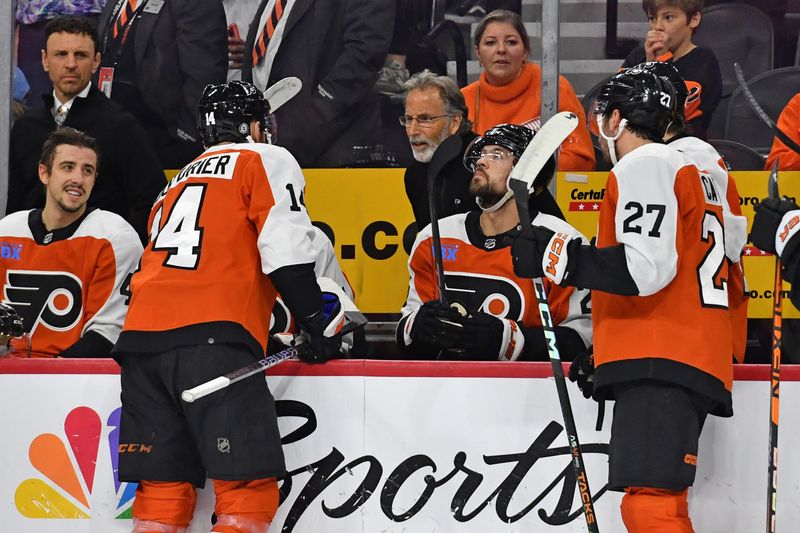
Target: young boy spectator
(672,23)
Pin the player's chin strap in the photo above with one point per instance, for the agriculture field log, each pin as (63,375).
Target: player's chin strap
(497,205)
(612,152)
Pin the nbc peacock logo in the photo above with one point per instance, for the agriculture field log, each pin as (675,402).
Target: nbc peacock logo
(68,464)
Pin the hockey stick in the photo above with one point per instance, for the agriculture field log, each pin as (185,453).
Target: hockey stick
(282,91)
(754,105)
(775,377)
(445,152)
(520,181)
(354,320)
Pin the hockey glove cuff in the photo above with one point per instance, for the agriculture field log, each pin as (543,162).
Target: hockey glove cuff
(555,262)
(581,370)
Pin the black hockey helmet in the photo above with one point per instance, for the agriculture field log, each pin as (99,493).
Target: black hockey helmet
(644,99)
(668,71)
(225,110)
(10,322)
(514,138)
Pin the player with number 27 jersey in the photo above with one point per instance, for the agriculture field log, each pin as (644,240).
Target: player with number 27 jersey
(671,225)
(182,294)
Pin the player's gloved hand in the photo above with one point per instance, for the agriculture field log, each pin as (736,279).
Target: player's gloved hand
(489,338)
(13,338)
(768,220)
(539,251)
(436,323)
(322,329)
(582,371)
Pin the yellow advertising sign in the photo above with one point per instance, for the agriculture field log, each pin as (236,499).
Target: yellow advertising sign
(367,214)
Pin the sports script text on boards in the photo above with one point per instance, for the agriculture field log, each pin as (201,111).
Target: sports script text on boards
(211,166)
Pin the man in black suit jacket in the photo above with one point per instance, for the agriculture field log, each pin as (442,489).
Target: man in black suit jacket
(336,48)
(129,174)
(160,55)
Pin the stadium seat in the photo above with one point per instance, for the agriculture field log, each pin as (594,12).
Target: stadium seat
(772,90)
(737,155)
(740,33)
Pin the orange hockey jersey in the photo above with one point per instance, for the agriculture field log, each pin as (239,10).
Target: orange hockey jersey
(69,281)
(670,220)
(227,220)
(479,274)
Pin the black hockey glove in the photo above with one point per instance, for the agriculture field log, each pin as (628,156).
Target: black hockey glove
(768,215)
(437,324)
(539,251)
(489,338)
(325,344)
(581,370)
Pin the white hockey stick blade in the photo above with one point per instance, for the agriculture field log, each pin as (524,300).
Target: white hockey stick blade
(282,91)
(204,389)
(546,141)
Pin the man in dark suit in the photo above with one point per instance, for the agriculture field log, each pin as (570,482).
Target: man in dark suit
(336,48)
(158,55)
(129,176)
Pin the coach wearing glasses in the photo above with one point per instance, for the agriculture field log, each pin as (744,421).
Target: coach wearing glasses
(435,110)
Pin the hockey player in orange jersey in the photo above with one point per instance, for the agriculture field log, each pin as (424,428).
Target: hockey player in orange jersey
(228,232)
(659,280)
(500,319)
(64,268)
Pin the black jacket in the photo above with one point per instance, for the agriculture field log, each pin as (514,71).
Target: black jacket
(179,48)
(336,48)
(452,187)
(129,176)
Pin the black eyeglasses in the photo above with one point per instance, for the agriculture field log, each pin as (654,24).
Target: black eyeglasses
(423,121)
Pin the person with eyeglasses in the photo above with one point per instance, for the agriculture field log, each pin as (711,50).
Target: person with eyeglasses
(434,111)
(492,313)
(509,88)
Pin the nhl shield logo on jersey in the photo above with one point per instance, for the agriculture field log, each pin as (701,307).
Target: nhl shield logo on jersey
(54,299)
(223,445)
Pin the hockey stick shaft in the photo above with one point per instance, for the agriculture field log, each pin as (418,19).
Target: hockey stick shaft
(759,111)
(520,190)
(775,376)
(445,152)
(204,389)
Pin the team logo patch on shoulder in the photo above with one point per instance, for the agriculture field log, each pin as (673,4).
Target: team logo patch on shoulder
(449,252)
(54,299)
(11,251)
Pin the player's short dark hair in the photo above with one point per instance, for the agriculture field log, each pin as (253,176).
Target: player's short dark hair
(69,136)
(454,103)
(74,25)
(690,7)
(504,16)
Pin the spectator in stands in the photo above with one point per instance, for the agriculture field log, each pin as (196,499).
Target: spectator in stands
(32,17)
(672,23)
(788,123)
(509,88)
(434,111)
(238,13)
(156,59)
(336,49)
(131,175)
(64,268)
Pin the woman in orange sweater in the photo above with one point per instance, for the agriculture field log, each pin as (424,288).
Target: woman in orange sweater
(508,90)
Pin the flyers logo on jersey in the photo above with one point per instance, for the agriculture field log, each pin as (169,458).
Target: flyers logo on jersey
(54,299)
